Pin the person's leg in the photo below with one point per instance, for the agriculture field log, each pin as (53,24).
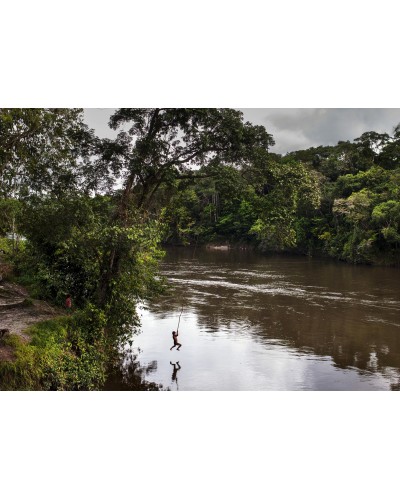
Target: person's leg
(172,347)
(180,345)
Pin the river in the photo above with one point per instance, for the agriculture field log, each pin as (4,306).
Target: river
(256,322)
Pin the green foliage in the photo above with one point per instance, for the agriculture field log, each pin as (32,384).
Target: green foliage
(181,216)
(42,150)
(69,245)
(161,145)
(60,356)
(9,209)
(292,188)
(6,246)
(386,217)
(360,187)
(251,204)
(236,225)
(366,223)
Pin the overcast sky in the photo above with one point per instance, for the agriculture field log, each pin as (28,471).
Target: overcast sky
(294,128)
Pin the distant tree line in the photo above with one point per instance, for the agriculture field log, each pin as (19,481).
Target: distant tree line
(342,201)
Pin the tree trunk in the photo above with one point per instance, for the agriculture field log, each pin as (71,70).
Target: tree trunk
(112,261)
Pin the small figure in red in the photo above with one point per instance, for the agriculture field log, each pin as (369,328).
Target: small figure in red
(68,303)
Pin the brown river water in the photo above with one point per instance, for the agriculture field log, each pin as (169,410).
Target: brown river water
(256,322)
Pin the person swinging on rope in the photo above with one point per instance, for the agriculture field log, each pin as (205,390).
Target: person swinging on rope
(176,343)
(175,334)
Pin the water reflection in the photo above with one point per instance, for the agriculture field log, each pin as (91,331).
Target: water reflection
(176,368)
(288,322)
(130,375)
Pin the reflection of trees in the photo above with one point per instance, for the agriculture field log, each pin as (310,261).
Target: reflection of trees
(128,374)
(307,322)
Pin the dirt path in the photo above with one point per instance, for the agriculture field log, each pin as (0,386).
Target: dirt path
(18,312)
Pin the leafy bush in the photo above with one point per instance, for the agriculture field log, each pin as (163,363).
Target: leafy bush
(62,355)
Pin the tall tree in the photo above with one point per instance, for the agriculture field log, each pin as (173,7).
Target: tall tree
(42,150)
(159,145)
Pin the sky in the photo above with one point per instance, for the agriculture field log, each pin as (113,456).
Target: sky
(294,128)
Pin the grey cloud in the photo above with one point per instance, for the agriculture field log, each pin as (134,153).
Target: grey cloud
(302,128)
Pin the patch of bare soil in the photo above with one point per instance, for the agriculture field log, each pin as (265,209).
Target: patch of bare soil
(6,353)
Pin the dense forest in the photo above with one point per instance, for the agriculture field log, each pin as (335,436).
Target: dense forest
(89,217)
(340,201)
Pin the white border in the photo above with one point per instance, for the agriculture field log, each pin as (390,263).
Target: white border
(230,445)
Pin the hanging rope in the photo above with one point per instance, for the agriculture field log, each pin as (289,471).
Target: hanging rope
(179,319)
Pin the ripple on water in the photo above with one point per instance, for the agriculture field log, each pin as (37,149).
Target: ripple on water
(269,325)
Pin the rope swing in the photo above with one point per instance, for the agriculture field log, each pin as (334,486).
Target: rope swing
(177,328)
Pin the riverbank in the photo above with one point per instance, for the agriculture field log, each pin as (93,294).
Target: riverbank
(18,312)
(391,261)
(41,348)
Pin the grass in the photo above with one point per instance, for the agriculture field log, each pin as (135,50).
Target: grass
(57,358)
